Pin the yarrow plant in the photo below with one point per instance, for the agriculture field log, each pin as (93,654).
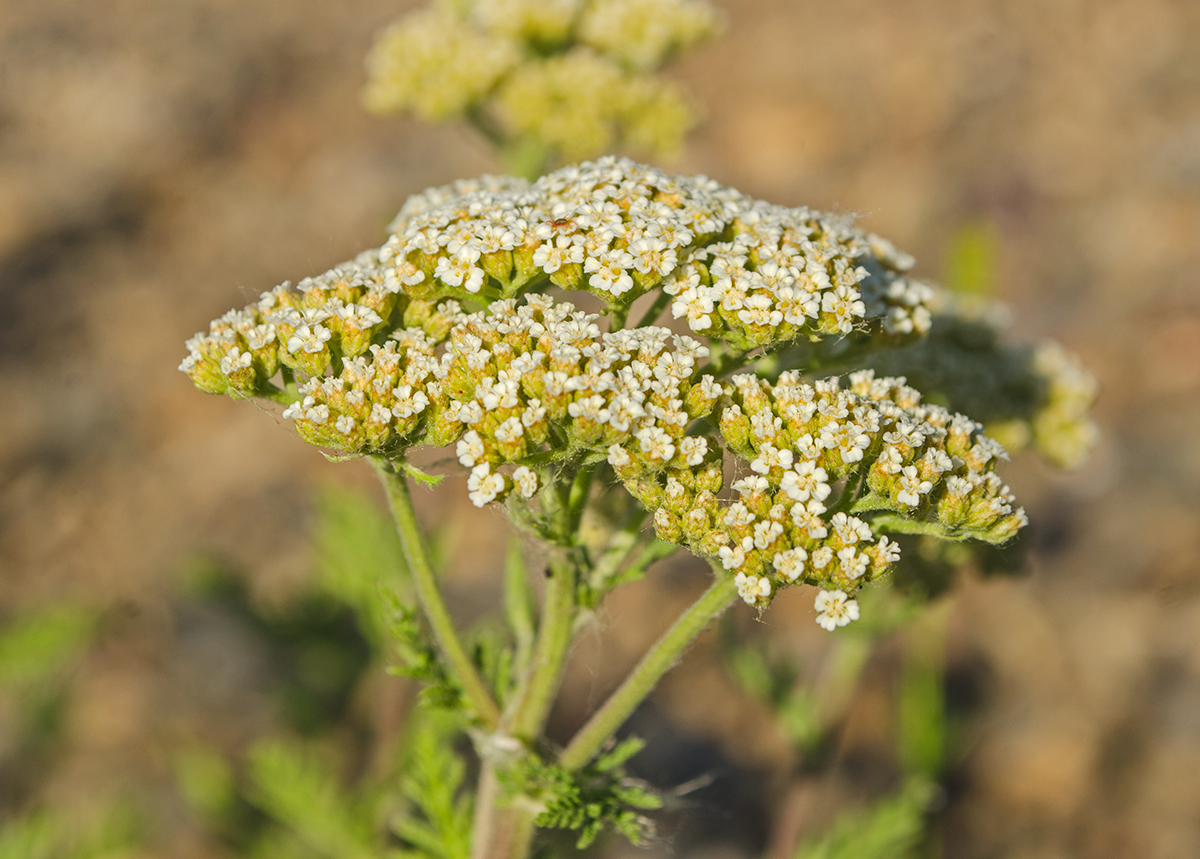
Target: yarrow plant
(739,413)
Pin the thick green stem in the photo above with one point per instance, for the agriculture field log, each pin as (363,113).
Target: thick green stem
(499,831)
(532,704)
(430,596)
(646,674)
(518,604)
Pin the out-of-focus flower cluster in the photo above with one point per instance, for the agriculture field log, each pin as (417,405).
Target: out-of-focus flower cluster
(575,77)
(445,336)
(1027,396)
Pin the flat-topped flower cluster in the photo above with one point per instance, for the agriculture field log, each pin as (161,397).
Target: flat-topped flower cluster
(737,269)
(446,336)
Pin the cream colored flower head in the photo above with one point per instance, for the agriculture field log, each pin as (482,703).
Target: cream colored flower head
(571,77)
(455,334)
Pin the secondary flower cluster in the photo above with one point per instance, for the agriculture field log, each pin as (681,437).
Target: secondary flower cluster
(336,316)
(1027,396)
(379,355)
(573,76)
(738,269)
(819,454)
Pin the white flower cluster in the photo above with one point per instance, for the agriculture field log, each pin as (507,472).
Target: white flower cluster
(335,315)
(523,380)
(738,269)
(579,102)
(642,33)
(573,76)
(1062,430)
(378,355)
(819,456)
(1035,396)
(787,271)
(431,63)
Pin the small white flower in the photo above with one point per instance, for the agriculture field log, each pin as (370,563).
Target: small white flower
(525,481)
(821,557)
(765,425)
(750,484)
(766,533)
(732,557)
(834,609)
(357,317)
(656,445)
(471,413)
(790,564)
(808,516)
(694,449)
(618,457)
(345,424)
(912,487)
(852,563)
(552,256)
(887,551)
(738,515)
(770,457)
(807,480)
(380,415)
(309,339)
(470,449)
(298,408)
(483,485)
(235,361)
(850,529)
(534,412)
(509,431)
(317,414)
(845,304)
(408,402)
(752,588)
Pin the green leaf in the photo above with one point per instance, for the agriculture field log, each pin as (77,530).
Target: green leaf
(619,754)
(419,659)
(357,553)
(422,477)
(37,645)
(30,837)
(434,775)
(207,781)
(892,828)
(600,795)
(295,788)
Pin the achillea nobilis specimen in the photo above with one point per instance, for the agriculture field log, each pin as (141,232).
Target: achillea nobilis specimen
(451,334)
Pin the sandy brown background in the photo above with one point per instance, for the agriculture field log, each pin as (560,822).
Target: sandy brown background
(161,162)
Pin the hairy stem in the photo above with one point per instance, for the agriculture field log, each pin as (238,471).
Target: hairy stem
(532,704)
(430,596)
(499,831)
(646,674)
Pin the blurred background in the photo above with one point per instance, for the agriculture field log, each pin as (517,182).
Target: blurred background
(163,162)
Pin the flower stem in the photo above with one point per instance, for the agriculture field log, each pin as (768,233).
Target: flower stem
(657,662)
(430,596)
(532,705)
